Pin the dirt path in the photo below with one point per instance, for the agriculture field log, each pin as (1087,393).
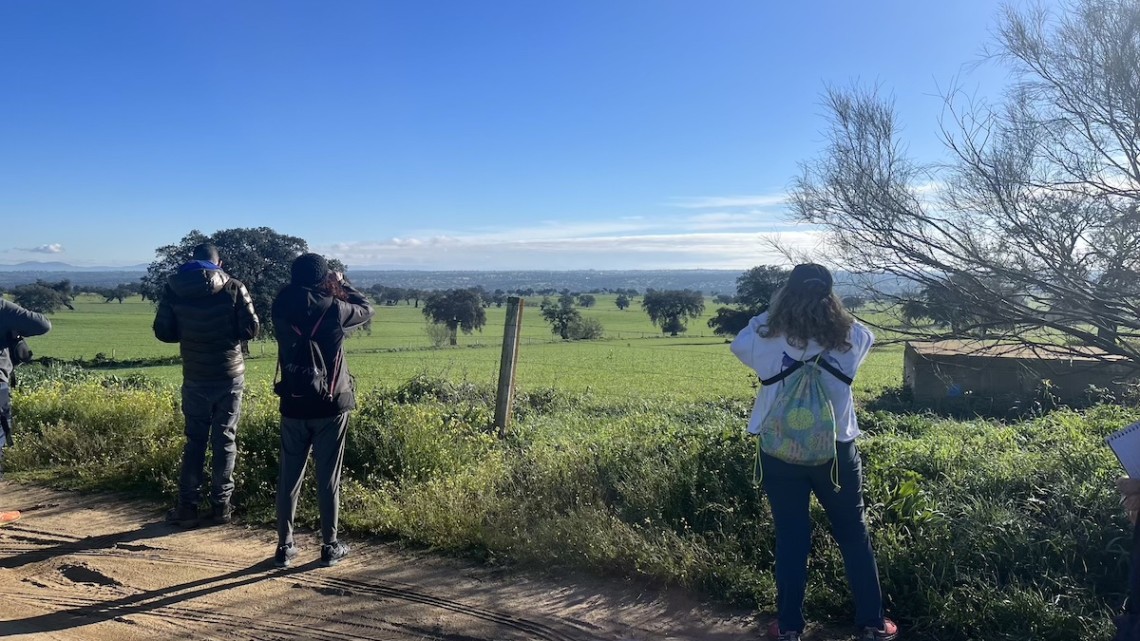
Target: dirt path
(93,568)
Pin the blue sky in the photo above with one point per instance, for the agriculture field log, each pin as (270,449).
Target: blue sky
(498,134)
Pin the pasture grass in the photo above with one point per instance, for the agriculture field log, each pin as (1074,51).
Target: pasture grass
(627,457)
(634,361)
(982,529)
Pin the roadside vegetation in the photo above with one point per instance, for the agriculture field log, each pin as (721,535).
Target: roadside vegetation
(983,529)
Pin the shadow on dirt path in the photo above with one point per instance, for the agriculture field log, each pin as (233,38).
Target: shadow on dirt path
(96,568)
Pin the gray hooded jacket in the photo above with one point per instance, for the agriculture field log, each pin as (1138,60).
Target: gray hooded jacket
(17,320)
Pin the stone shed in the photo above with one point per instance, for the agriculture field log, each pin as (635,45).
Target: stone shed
(937,372)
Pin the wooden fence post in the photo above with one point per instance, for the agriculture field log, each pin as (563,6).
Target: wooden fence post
(506,392)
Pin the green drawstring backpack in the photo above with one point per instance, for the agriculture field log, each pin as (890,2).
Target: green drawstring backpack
(800,426)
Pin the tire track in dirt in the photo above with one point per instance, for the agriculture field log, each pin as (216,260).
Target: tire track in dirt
(241,626)
(24,546)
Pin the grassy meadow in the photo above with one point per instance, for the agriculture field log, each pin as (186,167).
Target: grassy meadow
(635,360)
(627,458)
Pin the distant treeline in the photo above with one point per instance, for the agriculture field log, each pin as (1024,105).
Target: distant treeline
(707,281)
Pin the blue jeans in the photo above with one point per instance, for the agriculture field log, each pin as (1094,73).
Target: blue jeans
(789,488)
(212,410)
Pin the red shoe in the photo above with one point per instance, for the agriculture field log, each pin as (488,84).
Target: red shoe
(9,517)
(775,635)
(889,632)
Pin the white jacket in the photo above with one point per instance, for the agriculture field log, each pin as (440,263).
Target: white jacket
(769,356)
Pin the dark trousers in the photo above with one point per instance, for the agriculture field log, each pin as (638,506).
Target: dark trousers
(5,420)
(212,410)
(325,438)
(1128,622)
(789,488)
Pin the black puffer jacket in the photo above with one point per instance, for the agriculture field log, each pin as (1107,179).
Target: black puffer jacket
(208,314)
(296,306)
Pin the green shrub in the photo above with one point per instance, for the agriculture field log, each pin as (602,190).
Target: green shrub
(982,528)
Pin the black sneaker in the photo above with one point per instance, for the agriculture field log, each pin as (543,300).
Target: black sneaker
(285,555)
(332,554)
(889,632)
(221,514)
(184,516)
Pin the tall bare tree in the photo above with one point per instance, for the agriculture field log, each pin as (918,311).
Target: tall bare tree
(1032,228)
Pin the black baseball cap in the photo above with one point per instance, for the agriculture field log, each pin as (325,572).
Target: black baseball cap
(810,275)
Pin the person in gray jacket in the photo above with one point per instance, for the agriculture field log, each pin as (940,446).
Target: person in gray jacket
(208,314)
(15,322)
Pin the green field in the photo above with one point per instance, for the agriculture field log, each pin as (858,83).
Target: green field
(629,458)
(633,361)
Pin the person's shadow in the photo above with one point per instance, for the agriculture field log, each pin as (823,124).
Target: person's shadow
(91,543)
(140,603)
(145,602)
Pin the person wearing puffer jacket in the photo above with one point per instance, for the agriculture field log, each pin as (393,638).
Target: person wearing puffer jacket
(209,314)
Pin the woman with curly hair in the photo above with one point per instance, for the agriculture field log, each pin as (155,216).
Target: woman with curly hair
(807,325)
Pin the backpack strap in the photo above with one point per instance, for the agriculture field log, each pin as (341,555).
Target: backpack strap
(824,365)
(834,371)
(325,307)
(782,375)
(324,310)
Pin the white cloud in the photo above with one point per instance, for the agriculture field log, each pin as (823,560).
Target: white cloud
(726,202)
(53,248)
(706,250)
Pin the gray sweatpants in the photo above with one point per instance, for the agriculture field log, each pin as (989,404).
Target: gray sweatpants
(325,438)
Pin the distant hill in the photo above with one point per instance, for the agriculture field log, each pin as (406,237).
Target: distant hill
(707,281)
(32,266)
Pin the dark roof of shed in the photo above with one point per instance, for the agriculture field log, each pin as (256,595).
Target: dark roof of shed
(995,349)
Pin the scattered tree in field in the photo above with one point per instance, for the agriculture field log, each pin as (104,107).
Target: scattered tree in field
(671,309)
(585,328)
(561,316)
(457,309)
(1033,226)
(437,333)
(412,294)
(754,289)
(385,295)
(622,301)
(119,292)
(587,300)
(724,299)
(498,297)
(853,303)
(43,297)
(259,257)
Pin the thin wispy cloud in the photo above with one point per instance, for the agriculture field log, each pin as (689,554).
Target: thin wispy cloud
(740,221)
(730,202)
(705,250)
(53,248)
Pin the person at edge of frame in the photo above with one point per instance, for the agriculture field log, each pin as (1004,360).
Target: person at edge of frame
(807,321)
(209,314)
(16,323)
(316,310)
(1128,622)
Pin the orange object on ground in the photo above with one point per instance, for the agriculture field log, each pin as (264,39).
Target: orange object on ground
(9,517)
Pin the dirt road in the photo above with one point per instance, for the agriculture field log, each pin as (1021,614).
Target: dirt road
(94,568)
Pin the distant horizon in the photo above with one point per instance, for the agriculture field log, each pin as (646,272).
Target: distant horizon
(375,268)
